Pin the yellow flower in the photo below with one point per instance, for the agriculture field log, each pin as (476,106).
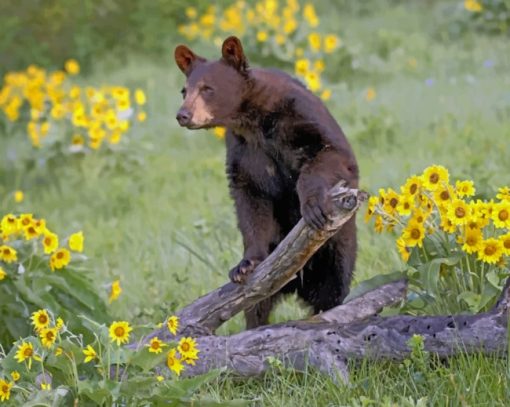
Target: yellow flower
(59,324)
(5,390)
(262,36)
(76,242)
(18,196)
(464,188)
(26,352)
(473,6)
(413,235)
(220,132)
(313,80)
(31,232)
(60,259)
(50,242)
(115,291)
(141,117)
(404,251)
(72,67)
(8,254)
(310,15)
(15,375)
(435,176)
(187,347)
(156,345)
(447,225)
(391,200)
(48,336)
(314,40)
(472,240)
(444,195)
(173,362)
(173,324)
(40,319)
(503,194)
(9,224)
(45,386)
(26,219)
(405,205)
(119,332)
(3,274)
(419,215)
(190,359)
(326,94)
(501,214)
(379,224)
(505,241)
(59,351)
(160,378)
(191,12)
(370,94)
(301,66)
(140,97)
(458,212)
(90,354)
(490,251)
(330,43)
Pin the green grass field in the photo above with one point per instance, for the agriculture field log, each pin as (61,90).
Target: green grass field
(162,221)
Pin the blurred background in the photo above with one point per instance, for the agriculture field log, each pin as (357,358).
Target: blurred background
(89,141)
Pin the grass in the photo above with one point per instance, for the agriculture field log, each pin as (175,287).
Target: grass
(159,216)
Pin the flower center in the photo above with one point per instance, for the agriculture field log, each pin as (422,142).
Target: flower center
(50,335)
(5,388)
(7,251)
(47,241)
(506,243)
(171,361)
(471,241)
(503,215)
(490,250)
(460,212)
(434,178)
(60,255)
(413,189)
(185,347)
(415,234)
(393,202)
(27,352)
(155,345)
(444,195)
(43,319)
(119,331)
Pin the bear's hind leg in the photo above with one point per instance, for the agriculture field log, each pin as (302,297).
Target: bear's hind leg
(258,315)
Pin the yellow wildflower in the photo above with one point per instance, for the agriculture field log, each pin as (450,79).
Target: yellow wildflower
(119,332)
(315,40)
(458,212)
(156,345)
(10,224)
(330,43)
(435,176)
(50,242)
(90,354)
(503,194)
(3,274)
(187,347)
(15,375)
(141,117)
(404,251)
(501,214)
(173,362)
(8,254)
(473,5)
(115,291)
(301,66)
(140,97)
(5,390)
(505,241)
(370,94)
(18,196)
(48,336)
(72,67)
(40,319)
(262,36)
(173,324)
(60,259)
(326,94)
(414,233)
(471,240)
(26,352)
(490,251)
(464,188)
(76,242)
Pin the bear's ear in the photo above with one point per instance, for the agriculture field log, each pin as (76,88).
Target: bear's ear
(186,58)
(233,54)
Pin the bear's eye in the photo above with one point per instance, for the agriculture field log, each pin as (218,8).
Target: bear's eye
(183,92)
(207,90)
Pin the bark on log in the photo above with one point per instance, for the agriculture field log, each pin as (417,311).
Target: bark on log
(207,313)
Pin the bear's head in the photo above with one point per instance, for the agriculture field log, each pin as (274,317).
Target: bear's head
(214,90)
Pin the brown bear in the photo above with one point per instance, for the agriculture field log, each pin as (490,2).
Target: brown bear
(284,152)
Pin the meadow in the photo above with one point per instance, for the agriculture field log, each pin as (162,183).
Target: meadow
(156,213)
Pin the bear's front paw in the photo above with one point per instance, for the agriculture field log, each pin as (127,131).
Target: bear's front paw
(315,212)
(240,272)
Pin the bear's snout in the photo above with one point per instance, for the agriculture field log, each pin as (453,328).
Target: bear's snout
(183,117)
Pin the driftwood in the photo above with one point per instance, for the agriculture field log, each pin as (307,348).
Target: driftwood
(352,331)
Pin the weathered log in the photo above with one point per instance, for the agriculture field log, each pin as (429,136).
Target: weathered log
(207,313)
(329,345)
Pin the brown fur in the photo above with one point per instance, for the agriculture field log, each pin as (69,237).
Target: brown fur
(284,152)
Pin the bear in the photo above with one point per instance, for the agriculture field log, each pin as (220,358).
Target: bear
(284,151)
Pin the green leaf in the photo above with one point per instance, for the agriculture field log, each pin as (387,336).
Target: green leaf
(374,282)
(146,360)
(471,299)
(429,273)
